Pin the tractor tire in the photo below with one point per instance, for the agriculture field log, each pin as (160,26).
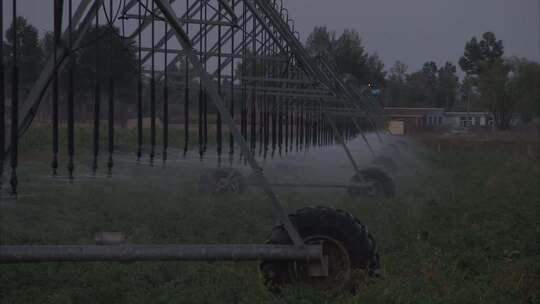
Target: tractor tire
(212,181)
(386,162)
(383,184)
(391,149)
(351,251)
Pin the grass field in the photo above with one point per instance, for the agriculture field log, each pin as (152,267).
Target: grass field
(467,230)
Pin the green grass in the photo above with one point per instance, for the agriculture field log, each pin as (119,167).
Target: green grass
(467,231)
(36,144)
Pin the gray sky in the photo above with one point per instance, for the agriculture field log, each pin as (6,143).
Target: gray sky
(413,31)
(416,31)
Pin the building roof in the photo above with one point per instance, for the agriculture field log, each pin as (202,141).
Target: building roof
(411,112)
(467,113)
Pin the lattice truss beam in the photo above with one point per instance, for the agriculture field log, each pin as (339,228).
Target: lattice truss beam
(247,51)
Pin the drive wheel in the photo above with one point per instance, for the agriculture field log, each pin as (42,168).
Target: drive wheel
(386,162)
(225,180)
(382,185)
(348,250)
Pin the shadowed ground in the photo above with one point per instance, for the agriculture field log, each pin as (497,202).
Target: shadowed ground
(463,229)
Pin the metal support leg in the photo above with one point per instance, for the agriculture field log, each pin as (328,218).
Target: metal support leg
(341,141)
(185,41)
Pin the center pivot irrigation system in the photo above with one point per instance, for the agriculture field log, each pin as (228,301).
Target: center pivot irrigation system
(274,97)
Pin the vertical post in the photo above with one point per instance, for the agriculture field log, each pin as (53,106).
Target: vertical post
(279,213)
(287,126)
(205,60)
(274,110)
(218,118)
(165,98)
(14,105)
(111,91)
(313,127)
(260,107)
(303,121)
(339,137)
(293,110)
(243,118)
(58,10)
(186,95)
(2,96)
(201,58)
(153,89)
(321,126)
(264,73)
(231,137)
(71,94)
(280,126)
(139,87)
(307,127)
(297,125)
(266,125)
(97,92)
(254,89)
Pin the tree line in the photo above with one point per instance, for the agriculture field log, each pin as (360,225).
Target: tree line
(495,83)
(33,53)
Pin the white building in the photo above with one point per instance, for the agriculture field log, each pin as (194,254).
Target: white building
(418,119)
(454,120)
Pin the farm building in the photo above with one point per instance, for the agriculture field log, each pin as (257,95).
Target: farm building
(415,119)
(454,120)
(412,120)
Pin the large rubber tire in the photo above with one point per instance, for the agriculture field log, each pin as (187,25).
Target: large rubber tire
(348,239)
(404,144)
(210,181)
(384,186)
(386,162)
(391,149)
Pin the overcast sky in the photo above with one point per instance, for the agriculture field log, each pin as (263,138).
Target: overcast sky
(413,31)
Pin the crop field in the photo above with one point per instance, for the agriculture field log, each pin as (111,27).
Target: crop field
(464,227)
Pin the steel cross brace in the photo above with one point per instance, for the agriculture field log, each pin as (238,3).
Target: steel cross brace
(184,40)
(196,39)
(312,68)
(309,66)
(349,95)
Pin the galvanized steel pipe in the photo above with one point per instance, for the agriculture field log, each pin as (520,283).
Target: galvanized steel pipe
(140,253)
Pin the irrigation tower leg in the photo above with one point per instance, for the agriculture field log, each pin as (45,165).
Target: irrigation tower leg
(184,40)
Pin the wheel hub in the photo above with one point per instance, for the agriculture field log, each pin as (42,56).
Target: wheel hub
(336,266)
(375,189)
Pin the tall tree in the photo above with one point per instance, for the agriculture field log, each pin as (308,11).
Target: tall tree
(350,56)
(416,86)
(422,86)
(375,71)
(498,92)
(469,95)
(429,73)
(525,79)
(447,86)
(123,68)
(396,85)
(479,54)
(30,53)
(124,61)
(320,41)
